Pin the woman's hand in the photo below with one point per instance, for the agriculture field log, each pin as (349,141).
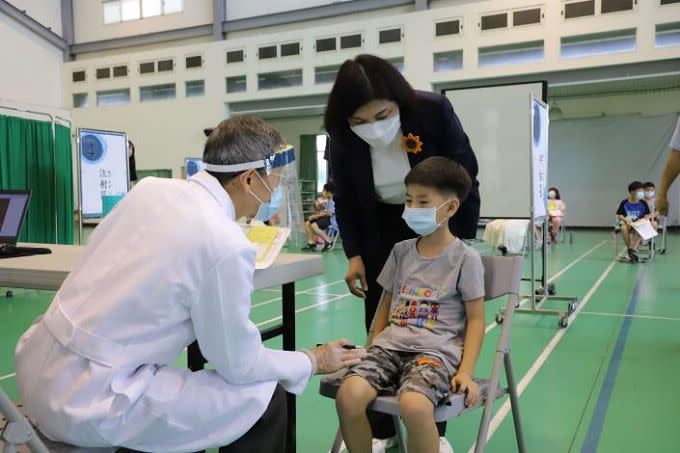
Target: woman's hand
(662,204)
(356,271)
(331,357)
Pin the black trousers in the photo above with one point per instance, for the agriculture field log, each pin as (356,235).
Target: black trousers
(268,435)
(393,229)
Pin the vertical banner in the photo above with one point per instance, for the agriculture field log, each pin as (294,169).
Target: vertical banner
(103,168)
(539,157)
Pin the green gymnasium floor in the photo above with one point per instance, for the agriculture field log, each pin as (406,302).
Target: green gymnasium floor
(605,384)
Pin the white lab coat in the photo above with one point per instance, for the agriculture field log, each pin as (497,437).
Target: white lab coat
(169,265)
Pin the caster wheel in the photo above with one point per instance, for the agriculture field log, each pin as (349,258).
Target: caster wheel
(499,318)
(662,251)
(540,292)
(517,304)
(551,289)
(572,307)
(9,294)
(563,323)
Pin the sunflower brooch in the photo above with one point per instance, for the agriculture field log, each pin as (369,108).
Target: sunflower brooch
(411,143)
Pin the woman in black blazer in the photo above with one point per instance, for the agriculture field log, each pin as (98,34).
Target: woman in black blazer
(370,93)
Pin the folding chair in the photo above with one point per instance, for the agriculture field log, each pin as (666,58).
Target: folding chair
(663,228)
(646,251)
(502,276)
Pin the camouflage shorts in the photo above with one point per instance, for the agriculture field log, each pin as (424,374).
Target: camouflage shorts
(395,373)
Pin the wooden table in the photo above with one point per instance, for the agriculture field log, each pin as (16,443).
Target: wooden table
(48,272)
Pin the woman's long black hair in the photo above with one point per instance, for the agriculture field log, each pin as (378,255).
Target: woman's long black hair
(358,82)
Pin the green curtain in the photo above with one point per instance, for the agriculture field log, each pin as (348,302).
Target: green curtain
(27,161)
(64,185)
(308,158)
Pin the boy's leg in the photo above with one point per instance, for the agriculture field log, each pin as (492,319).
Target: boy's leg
(354,396)
(320,232)
(309,231)
(634,240)
(625,233)
(417,411)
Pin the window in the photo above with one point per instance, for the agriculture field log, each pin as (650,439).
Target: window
(388,36)
(78,76)
(120,71)
(579,9)
(598,43)
(321,163)
(194,88)
(398,63)
(526,17)
(103,73)
(448,61)
(113,97)
(326,44)
(157,92)
(124,10)
(350,41)
(147,68)
(614,6)
(449,27)
(267,52)
(494,21)
(667,35)
(520,53)
(279,79)
(165,65)
(194,62)
(288,50)
(79,100)
(325,74)
(236,84)
(669,2)
(236,56)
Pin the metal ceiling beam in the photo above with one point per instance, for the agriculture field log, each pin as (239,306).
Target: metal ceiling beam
(67,27)
(33,25)
(141,40)
(219,17)
(315,13)
(422,5)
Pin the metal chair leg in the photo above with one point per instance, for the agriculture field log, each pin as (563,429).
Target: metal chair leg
(401,436)
(337,442)
(514,403)
(18,430)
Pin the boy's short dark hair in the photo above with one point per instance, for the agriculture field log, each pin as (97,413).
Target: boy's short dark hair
(635,185)
(648,184)
(442,174)
(329,187)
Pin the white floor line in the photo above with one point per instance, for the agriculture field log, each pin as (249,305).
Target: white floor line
(327,294)
(529,376)
(304,291)
(623,315)
(561,272)
(300,310)
(7,376)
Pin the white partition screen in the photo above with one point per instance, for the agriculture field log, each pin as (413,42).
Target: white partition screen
(103,169)
(497,119)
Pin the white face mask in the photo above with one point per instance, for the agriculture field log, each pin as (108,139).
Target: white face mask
(649,195)
(551,194)
(380,133)
(640,195)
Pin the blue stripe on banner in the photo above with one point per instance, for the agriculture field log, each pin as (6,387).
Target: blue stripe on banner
(597,421)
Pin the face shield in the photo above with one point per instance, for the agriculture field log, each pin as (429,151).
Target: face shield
(279,216)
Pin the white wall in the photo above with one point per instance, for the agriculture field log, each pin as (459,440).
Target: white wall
(241,9)
(47,12)
(89,21)
(31,68)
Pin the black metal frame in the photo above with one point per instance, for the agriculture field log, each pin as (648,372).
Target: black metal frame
(286,329)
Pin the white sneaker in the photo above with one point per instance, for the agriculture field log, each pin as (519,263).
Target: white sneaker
(445,446)
(378,445)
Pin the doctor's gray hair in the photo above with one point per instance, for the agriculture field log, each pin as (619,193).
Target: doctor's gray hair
(239,140)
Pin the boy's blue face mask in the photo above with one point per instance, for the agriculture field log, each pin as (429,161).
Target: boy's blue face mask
(423,221)
(267,210)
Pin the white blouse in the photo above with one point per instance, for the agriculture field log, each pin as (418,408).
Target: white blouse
(390,167)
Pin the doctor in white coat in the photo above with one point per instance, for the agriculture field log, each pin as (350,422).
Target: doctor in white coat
(169,265)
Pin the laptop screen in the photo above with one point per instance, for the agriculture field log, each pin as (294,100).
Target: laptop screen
(12,209)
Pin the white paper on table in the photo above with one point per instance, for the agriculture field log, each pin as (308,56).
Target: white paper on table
(268,242)
(645,229)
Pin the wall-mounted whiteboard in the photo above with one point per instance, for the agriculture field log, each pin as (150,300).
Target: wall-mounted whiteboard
(103,169)
(193,165)
(497,119)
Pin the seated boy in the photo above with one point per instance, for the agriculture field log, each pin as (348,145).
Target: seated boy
(316,224)
(432,304)
(631,210)
(650,199)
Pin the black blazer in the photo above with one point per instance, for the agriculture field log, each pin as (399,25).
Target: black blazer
(433,119)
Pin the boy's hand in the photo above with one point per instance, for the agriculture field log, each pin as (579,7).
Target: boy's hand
(462,383)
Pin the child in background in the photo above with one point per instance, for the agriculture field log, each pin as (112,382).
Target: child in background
(631,210)
(316,225)
(650,198)
(432,305)
(556,211)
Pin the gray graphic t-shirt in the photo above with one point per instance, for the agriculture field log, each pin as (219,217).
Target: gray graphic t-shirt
(427,314)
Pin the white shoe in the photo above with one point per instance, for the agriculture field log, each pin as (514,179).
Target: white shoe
(445,446)
(378,445)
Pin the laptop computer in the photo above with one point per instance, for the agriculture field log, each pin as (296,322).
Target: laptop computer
(13,207)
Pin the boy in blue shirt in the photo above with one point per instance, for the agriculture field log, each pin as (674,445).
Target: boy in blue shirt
(432,306)
(631,210)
